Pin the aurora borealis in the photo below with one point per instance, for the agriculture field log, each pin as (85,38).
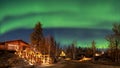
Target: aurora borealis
(66,20)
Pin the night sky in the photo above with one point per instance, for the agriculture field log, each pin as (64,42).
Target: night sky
(66,20)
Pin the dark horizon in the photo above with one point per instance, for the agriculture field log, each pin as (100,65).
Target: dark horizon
(82,36)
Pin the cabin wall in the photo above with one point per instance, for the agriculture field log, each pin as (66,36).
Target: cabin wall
(14,45)
(2,47)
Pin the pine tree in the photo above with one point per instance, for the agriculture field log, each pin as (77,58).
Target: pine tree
(73,49)
(93,47)
(36,37)
(114,40)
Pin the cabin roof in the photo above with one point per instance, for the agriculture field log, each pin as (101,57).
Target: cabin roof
(3,43)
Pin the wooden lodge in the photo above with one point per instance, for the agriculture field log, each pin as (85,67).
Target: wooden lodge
(23,50)
(13,45)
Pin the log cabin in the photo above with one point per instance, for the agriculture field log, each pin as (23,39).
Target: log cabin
(13,45)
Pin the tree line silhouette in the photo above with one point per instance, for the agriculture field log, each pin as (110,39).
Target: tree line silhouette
(47,45)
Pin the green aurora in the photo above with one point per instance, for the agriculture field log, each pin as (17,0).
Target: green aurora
(88,14)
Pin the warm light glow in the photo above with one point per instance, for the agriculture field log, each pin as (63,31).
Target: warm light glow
(103,52)
(85,59)
(33,57)
(62,54)
(97,54)
(30,64)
